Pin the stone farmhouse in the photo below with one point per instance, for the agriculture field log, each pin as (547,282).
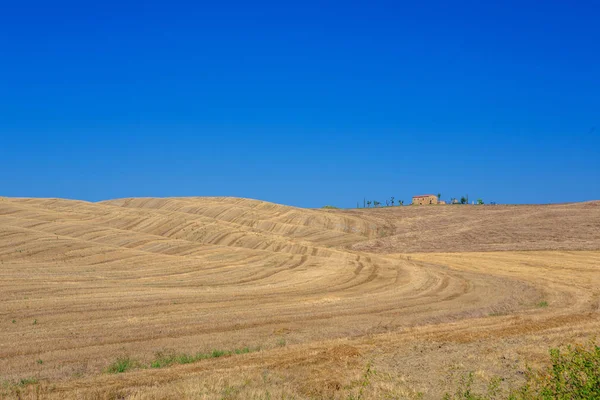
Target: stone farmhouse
(424,199)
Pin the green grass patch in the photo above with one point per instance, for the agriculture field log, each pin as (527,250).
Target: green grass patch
(122,364)
(542,304)
(167,358)
(243,350)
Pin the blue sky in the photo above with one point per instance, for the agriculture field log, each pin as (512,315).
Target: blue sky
(308,104)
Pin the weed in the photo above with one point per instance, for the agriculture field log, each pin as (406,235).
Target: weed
(163,359)
(218,353)
(40,361)
(27,381)
(167,358)
(362,383)
(230,392)
(464,389)
(122,364)
(281,342)
(14,321)
(243,350)
(187,358)
(542,304)
(35,321)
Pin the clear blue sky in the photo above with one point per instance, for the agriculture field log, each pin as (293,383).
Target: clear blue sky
(307,104)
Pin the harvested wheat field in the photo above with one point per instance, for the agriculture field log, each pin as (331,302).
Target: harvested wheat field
(234,298)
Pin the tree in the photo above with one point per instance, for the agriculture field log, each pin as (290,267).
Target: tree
(463,200)
(368,203)
(376,203)
(479,201)
(392,201)
(401,202)
(439,197)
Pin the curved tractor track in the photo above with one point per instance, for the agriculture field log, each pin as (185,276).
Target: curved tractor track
(321,293)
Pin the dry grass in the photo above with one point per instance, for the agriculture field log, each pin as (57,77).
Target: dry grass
(89,283)
(458,228)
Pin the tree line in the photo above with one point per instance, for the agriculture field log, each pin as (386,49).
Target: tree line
(375,203)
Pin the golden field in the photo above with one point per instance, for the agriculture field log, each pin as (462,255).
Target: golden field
(395,302)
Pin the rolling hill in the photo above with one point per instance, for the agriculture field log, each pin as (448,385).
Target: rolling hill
(314,295)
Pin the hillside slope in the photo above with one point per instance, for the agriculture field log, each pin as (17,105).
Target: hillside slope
(458,228)
(318,291)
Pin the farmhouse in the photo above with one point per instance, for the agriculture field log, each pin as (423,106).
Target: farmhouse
(424,199)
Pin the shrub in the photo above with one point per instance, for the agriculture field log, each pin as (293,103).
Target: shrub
(574,374)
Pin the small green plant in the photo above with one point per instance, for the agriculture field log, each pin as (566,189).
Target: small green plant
(281,342)
(14,321)
(40,361)
(35,321)
(219,353)
(122,364)
(362,383)
(163,359)
(243,350)
(188,358)
(230,392)
(169,357)
(542,304)
(27,381)
(464,390)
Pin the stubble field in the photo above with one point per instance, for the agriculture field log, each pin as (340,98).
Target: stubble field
(395,302)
